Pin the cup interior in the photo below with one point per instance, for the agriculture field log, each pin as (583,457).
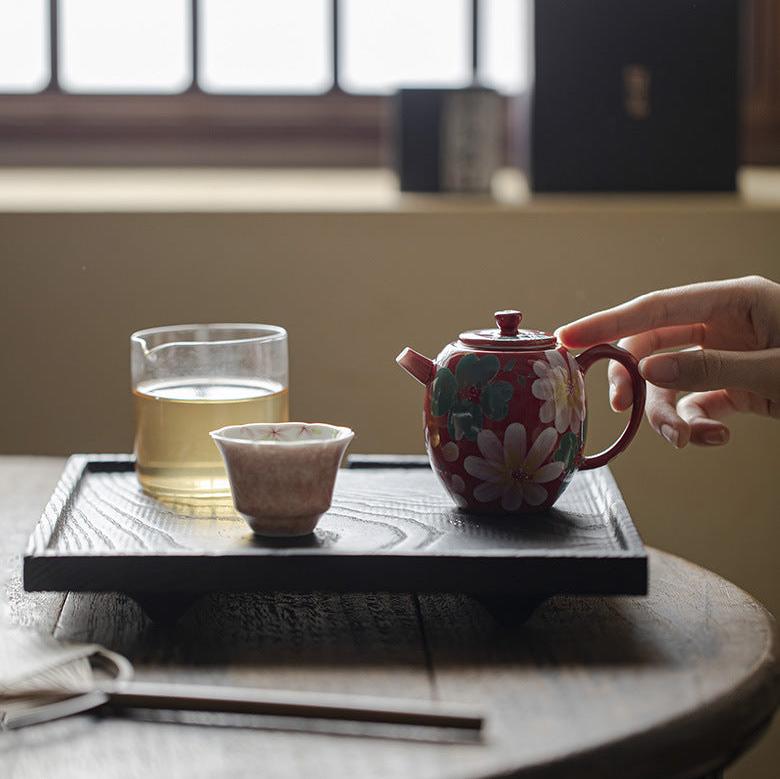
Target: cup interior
(282,433)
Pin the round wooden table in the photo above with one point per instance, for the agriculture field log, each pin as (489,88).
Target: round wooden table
(676,684)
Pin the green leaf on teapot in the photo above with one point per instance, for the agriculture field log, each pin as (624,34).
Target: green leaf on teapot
(464,421)
(508,367)
(495,399)
(443,392)
(567,449)
(475,371)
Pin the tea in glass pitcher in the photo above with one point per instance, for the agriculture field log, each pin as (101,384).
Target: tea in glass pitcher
(191,379)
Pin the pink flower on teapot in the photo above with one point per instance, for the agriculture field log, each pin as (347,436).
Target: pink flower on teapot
(505,415)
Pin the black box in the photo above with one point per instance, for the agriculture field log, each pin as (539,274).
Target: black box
(448,140)
(635,95)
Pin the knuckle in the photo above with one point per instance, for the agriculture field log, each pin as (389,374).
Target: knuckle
(664,309)
(709,366)
(635,345)
(657,403)
(652,300)
(619,321)
(698,333)
(655,416)
(654,307)
(756,281)
(753,287)
(685,403)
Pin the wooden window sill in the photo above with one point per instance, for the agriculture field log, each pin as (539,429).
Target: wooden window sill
(368,190)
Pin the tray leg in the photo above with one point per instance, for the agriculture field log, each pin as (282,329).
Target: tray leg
(510,610)
(165,607)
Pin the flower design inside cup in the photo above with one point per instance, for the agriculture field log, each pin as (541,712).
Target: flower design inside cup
(282,475)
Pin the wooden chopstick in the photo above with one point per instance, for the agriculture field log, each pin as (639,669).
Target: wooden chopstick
(242,700)
(239,700)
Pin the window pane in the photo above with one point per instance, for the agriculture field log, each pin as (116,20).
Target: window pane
(265,46)
(503,44)
(120,46)
(24,45)
(390,43)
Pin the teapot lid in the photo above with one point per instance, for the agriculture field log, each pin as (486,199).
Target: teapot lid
(508,335)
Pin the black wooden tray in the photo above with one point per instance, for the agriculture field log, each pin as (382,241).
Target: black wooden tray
(391,528)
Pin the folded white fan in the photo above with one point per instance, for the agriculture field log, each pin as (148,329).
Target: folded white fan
(36,670)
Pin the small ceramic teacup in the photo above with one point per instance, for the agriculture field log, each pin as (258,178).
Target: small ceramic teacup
(282,474)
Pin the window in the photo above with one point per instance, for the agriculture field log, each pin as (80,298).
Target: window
(236,81)
(409,42)
(24,46)
(247,46)
(142,46)
(274,82)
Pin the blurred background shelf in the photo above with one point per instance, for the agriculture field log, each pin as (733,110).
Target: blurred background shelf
(322,190)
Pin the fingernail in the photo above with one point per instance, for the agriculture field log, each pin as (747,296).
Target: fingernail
(670,434)
(715,437)
(661,369)
(612,394)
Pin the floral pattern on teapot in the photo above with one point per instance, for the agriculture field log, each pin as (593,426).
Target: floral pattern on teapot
(470,394)
(485,463)
(561,388)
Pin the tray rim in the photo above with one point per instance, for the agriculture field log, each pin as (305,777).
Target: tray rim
(633,556)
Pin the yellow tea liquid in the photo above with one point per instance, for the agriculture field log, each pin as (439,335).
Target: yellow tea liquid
(175,456)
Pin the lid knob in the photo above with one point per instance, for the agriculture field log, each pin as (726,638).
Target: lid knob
(508,322)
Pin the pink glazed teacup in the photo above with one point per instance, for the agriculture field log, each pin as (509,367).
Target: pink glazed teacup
(282,474)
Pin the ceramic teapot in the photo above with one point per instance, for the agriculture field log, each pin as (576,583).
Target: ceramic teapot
(505,415)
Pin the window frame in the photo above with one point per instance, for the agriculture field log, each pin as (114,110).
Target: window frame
(336,128)
(195,127)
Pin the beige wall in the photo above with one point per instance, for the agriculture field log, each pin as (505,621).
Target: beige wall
(352,289)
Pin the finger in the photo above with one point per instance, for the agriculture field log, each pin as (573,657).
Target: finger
(661,412)
(703,411)
(642,345)
(708,369)
(677,306)
(621,390)
(720,404)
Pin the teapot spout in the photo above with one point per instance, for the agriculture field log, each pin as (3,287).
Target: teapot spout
(416,365)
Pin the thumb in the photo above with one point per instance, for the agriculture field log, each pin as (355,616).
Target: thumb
(709,369)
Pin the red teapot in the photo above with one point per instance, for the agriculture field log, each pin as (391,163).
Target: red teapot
(506,417)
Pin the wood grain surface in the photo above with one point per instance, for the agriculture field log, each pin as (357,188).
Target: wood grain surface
(390,528)
(672,685)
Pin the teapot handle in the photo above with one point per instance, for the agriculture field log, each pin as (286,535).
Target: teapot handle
(626,359)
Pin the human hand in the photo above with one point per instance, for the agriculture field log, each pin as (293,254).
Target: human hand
(735,327)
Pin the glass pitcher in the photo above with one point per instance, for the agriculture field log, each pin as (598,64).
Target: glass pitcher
(190,379)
